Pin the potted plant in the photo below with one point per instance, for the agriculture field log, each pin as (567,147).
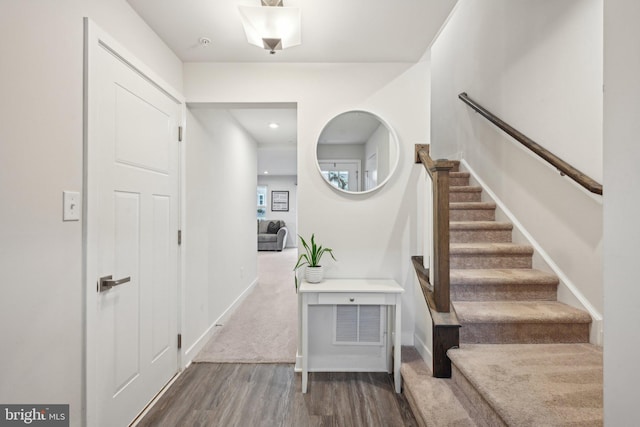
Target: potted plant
(311,259)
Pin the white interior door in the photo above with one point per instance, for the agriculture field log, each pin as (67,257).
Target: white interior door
(132,223)
(371,172)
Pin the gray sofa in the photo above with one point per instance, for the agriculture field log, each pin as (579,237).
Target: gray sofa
(272,235)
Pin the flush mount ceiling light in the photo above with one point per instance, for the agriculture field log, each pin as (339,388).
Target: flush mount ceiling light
(271,26)
(274,125)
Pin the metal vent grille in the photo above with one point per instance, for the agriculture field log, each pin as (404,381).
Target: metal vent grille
(358,324)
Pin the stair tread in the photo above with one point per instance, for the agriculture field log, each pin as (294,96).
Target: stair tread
(506,276)
(560,383)
(472,205)
(489,248)
(459,174)
(465,189)
(519,312)
(480,225)
(432,400)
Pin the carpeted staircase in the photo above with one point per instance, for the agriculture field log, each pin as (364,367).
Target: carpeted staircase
(524,358)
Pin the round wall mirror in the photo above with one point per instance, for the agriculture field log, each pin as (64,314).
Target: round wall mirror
(357,152)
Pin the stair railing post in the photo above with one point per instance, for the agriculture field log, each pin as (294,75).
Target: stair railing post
(446,327)
(440,173)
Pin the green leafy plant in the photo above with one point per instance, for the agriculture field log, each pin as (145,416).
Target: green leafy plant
(312,256)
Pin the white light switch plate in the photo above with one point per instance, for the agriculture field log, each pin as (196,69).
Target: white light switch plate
(71,203)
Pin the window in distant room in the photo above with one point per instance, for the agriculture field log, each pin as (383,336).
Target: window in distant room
(262,201)
(342,174)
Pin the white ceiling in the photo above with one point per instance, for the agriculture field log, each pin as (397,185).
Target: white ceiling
(332,30)
(349,128)
(276,147)
(257,120)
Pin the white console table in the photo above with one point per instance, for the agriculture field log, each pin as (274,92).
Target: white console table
(352,292)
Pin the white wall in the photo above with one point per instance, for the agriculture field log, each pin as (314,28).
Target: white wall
(279,160)
(372,235)
(621,211)
(283,183)
(342,151)
(220,225)
(538,66)
(41,110)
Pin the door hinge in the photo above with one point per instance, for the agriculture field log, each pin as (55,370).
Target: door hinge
(179,341)
(179,237)
(179,133)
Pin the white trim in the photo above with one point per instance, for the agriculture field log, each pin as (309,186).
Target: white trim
(424,351)
(596,316)
(204,338)
(182,215)
(298,366)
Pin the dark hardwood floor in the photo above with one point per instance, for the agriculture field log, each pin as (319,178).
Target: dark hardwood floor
(211,394)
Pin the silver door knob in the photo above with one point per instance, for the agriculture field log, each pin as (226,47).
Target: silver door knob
(105,283)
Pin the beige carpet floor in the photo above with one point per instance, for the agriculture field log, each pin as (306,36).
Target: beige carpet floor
(264,328)
(536,384)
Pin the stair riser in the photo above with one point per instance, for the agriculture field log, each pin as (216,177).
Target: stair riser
(458,181)
(472,214)
(492,292)
(524,333)
(480,236)
(464,196)
(476,405)
(489,261)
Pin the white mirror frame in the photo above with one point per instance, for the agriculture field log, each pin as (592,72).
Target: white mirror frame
(392,142)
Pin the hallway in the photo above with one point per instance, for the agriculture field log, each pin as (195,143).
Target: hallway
(263,329)
(248,387)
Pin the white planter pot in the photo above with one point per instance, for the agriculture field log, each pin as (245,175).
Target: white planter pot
(313,274)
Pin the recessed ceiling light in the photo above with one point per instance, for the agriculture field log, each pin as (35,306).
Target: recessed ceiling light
(204,41)
(266,172)
(274,125)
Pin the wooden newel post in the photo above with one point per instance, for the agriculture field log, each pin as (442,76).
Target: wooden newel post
(440,173)
(446,327)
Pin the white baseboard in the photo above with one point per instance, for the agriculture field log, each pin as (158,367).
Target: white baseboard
(298,367)
(596,316)
(424,351)
(190,353)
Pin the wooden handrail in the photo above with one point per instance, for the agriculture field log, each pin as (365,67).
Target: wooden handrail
(564,167)
(439,172)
